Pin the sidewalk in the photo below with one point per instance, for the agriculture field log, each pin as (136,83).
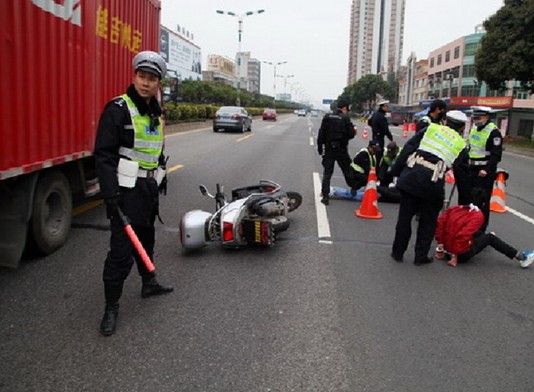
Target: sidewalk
(187,126)
(525,151)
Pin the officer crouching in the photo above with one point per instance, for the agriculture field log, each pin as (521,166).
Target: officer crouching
(421,169)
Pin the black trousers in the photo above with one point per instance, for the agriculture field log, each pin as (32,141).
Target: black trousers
(484,240)
(428,210)
(342,158)
(121,254)
(485,183)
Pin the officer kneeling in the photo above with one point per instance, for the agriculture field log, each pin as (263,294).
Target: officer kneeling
(421,169)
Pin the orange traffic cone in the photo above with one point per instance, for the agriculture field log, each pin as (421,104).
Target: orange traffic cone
(413,127)
(369,206)
(498,196)
(449,177)
(364,134)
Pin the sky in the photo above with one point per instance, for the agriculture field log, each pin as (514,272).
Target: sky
(312,36)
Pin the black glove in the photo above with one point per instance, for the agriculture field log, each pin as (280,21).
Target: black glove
(112,206)
(162,188)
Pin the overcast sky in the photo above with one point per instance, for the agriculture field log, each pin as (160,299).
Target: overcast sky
(313,35)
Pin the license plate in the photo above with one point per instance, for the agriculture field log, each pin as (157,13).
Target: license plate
(258,232)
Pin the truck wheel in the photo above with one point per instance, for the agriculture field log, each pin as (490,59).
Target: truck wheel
(52,212)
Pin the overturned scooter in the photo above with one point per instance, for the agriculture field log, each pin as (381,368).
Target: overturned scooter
(255,216)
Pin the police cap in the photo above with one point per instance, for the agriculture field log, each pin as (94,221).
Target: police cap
(150,62)
(342,102)
(481,110)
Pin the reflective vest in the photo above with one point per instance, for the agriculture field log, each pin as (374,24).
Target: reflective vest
(372,162)
(148,141)
(443,142)
(388,160)
(478,140)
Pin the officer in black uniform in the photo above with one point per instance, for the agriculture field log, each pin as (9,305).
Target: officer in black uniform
(332,144)
(129,141)
(485,152)
(421,168)
(436,114)
(379,124)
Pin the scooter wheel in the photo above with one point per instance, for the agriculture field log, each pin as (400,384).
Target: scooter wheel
(294,200)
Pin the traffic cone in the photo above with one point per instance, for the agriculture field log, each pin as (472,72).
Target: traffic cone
(364,134)
(449,177)
(413,127)
(369,206)
(498,196)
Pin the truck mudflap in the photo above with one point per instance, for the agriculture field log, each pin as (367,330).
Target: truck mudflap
(15,206)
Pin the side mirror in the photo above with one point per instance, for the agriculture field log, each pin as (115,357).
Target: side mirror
(203,190)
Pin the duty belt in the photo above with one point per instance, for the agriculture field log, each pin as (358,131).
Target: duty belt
(143,173)
(477,163)
(438,168)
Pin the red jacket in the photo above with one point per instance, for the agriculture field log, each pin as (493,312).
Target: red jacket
(457,226)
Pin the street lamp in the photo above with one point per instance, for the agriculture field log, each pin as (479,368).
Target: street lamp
(285,81)
(239,32)
(274,75)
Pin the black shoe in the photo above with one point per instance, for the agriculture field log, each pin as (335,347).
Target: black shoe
(152,287)
(397,258)
(426,260)
(353,192)
(324,200)
(109,321)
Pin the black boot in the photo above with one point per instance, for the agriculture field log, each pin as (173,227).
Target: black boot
(109,321)
(111,313)
(325,199)
(152,287)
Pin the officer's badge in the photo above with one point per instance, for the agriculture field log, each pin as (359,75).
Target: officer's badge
(497,141)
(119,102)
(151,130)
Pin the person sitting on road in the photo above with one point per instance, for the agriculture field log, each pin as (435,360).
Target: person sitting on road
(383,173)
(458,239)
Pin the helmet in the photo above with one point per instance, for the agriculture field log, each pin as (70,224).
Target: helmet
(342,102)
(456,116)
(150,62)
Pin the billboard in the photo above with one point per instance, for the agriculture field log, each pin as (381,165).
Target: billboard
(181,55)
(221,64)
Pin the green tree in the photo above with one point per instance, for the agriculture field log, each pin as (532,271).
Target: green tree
(363,94)
(507,49)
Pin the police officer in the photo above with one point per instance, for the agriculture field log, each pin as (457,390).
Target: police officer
(485,142)
(332,141)
(436,114)
(130,164)
(421,167)
(363,162)
(388,160)
(379,124)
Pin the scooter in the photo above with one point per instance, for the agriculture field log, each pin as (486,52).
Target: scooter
(254,217)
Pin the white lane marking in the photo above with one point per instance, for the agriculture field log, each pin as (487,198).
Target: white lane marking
(520,215)
(323,228)
(311,141)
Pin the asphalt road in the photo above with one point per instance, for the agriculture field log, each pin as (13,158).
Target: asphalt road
(301,316)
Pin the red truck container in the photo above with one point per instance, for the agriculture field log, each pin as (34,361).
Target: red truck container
(62,60)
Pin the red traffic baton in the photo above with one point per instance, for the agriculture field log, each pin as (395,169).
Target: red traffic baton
(135,241)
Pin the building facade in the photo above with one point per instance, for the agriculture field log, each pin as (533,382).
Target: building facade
(220,69)
(250,72)
(376,37)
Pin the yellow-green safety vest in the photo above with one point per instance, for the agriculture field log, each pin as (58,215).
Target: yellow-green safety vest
(443,142)
(372,162)
(148,142)
(478,140)
(389,161)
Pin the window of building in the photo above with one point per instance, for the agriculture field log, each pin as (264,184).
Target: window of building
(456,52)
(471,48)
(447,56)
(432,62)
(526,128)
(439,59)
(469,71)
(469,91)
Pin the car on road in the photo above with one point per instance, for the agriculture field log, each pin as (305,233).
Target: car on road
(301,113)
(269,114)
(232,118)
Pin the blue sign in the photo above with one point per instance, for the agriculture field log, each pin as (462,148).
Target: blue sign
(328,101)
